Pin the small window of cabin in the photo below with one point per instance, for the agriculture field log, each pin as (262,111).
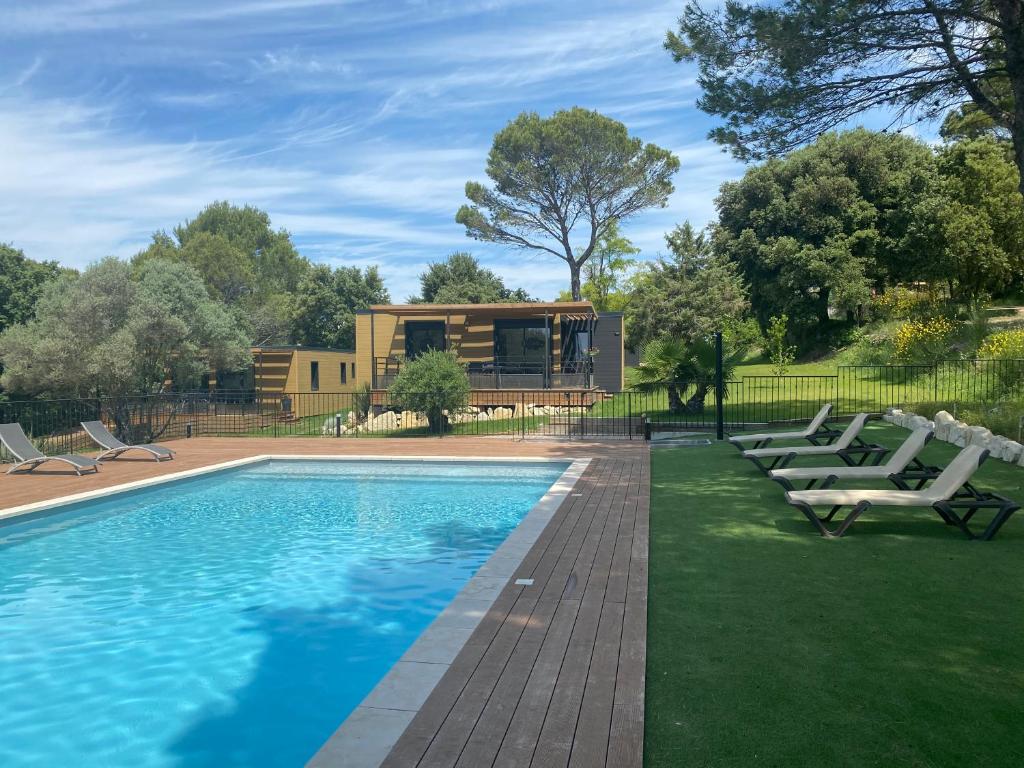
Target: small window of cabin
(344,373)
(314,376)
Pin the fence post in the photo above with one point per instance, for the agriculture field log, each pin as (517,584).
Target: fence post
(719,389)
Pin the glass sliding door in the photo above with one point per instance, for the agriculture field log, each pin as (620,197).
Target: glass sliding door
(521,346)
(421,336)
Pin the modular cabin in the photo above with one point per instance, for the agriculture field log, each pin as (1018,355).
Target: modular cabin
(279,374)
(548,349)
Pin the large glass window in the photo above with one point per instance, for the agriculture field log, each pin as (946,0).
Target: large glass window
(421,336)
(521,345)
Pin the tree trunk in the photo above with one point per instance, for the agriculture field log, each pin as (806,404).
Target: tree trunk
(1013,38)
(574,271)
(675,403)
(696,402)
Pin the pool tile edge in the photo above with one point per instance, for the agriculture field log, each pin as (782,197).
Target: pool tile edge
(366,736)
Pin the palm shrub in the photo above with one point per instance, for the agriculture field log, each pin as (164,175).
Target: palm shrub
(362,398)
(675,367)
(435,383)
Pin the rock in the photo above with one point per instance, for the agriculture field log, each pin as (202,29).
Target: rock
(1012,451)
(412,420)
(958,433)
(995,446)
(943,422)
(978,436)
(916,422)
(502,413)
(351,420)
(385,422)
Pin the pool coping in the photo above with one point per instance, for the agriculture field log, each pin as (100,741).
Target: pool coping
(369,732)
(366,736)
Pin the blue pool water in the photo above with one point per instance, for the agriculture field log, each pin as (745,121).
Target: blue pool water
(237,618)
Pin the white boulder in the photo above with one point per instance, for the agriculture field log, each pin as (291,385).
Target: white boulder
(943,422)
(1012,451)
(502,413)
(978,436)
(958,433)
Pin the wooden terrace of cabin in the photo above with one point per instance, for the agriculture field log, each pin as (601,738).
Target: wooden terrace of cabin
(384,342)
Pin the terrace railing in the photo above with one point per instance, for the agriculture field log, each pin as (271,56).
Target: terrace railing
(504,373)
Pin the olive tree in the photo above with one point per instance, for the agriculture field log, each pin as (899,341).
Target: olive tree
(433,384)
(109,333)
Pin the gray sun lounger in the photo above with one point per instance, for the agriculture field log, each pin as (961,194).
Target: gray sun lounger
(112,447)
(902,468)
(849,448)
(29,457)
(815,432)
(950,491)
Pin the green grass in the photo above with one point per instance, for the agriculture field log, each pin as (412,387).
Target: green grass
(760,397)
(897,645)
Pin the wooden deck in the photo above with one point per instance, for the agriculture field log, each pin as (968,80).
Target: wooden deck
(554,674)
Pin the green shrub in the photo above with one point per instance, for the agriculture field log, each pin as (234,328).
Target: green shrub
(361,400)
(870,345)
(433,383)
(779,352)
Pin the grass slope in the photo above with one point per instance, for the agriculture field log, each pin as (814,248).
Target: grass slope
(898,645)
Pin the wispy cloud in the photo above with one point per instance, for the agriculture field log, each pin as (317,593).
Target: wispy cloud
(354,123)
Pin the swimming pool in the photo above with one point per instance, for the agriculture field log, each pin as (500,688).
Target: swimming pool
(235,618)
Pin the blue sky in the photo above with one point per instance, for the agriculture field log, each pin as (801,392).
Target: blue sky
(355,124)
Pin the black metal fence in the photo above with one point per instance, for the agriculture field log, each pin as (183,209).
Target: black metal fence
(750,401)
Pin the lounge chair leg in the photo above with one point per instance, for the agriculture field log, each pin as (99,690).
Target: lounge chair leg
(831,514)
(783,461)
(784,483)
(856,512)
(828,482)
(759,465)
(997,522)
(810,515)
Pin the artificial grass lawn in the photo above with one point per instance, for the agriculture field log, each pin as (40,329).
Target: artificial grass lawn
(900,644)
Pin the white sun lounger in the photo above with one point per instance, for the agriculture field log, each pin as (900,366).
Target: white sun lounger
(895,469)
(112,447)
(846,447)
(29,457)
(945,496)
(815,432)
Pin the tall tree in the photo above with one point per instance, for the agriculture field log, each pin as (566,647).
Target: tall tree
(781,74)
(687,295)
(972,233)
(21,284)
(114,332)
(815,230)
(460,279)
(605,273)
(244,262)
(576,171)
(326,302)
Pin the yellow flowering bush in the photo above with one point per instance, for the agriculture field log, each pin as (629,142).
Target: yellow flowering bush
(923,341)
(1004,345)
(901,304)
(1006,349)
